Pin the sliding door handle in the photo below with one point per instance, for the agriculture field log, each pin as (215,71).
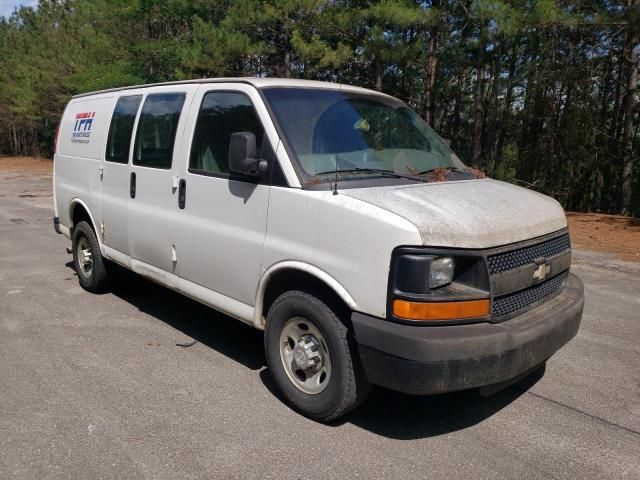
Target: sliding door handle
(182,193)
(132,185)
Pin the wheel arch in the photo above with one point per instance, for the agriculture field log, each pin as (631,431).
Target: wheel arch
(292,275)
(79,211)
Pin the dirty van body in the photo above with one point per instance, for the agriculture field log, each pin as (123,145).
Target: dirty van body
(309,210)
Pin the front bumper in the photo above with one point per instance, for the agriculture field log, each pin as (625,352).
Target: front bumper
(438,359)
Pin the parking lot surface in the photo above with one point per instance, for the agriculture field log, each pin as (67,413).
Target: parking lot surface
(94,386)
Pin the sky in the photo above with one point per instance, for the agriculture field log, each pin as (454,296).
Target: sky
(8,6)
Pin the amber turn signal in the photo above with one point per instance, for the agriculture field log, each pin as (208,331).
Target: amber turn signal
(440,310)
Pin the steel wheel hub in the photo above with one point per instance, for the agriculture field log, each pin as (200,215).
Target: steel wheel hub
(305,356)
(85,259)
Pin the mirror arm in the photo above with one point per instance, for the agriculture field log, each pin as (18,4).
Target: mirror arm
(259,168)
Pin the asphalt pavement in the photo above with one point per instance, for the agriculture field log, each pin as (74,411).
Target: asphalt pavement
(95,387)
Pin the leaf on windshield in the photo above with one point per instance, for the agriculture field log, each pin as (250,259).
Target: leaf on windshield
(411,170)
(440,174)
(313,181)
(476,173)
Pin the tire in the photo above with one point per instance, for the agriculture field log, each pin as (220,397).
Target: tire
(95,278)
(344,385)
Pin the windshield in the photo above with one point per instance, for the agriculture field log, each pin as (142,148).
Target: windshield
(356,133)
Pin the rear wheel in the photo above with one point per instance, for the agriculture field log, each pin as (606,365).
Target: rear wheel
(87,259)
(312,357)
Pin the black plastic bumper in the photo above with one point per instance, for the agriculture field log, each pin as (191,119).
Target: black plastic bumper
(438,359)
(56,225)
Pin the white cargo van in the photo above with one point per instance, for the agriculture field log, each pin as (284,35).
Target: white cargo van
(330,216)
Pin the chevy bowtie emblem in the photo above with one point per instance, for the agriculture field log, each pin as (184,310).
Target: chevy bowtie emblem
(541,272)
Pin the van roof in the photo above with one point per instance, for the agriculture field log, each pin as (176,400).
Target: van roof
(255,81)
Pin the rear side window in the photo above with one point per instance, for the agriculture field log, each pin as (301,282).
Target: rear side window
(221,114)
(157,130)
(121,129)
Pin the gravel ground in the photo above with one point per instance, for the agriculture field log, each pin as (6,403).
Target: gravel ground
(94,386)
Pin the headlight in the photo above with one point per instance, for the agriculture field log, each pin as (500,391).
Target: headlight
(441,272)
(438,284)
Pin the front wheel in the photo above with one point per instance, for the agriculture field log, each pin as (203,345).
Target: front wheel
(312,357)
(87,259)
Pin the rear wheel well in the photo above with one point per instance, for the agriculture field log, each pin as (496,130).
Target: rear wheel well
(80,214)
(291,279)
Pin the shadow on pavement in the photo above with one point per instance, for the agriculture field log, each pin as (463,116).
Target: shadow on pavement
(232,338)
(405,417)
(385,412)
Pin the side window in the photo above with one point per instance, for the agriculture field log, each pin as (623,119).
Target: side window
(157,130)
(221,114)
(121,129)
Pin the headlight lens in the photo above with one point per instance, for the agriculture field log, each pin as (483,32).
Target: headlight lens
(441,272)
(438,284)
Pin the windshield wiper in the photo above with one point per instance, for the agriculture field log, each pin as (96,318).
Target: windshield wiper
(379,171)
(451,169)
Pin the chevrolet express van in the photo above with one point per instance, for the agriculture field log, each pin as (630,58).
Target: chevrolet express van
(330,216)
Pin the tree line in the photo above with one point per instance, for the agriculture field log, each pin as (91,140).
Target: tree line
(543,93)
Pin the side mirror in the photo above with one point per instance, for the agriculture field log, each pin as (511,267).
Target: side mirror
(242,155)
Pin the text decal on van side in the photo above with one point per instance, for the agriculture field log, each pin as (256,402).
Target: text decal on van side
(82,129)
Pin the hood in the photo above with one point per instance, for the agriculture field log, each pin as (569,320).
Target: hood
(468,214)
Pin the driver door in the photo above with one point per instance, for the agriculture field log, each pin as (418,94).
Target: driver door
(222,221)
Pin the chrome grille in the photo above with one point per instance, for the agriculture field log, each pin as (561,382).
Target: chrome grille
(502,262)
(512,302)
